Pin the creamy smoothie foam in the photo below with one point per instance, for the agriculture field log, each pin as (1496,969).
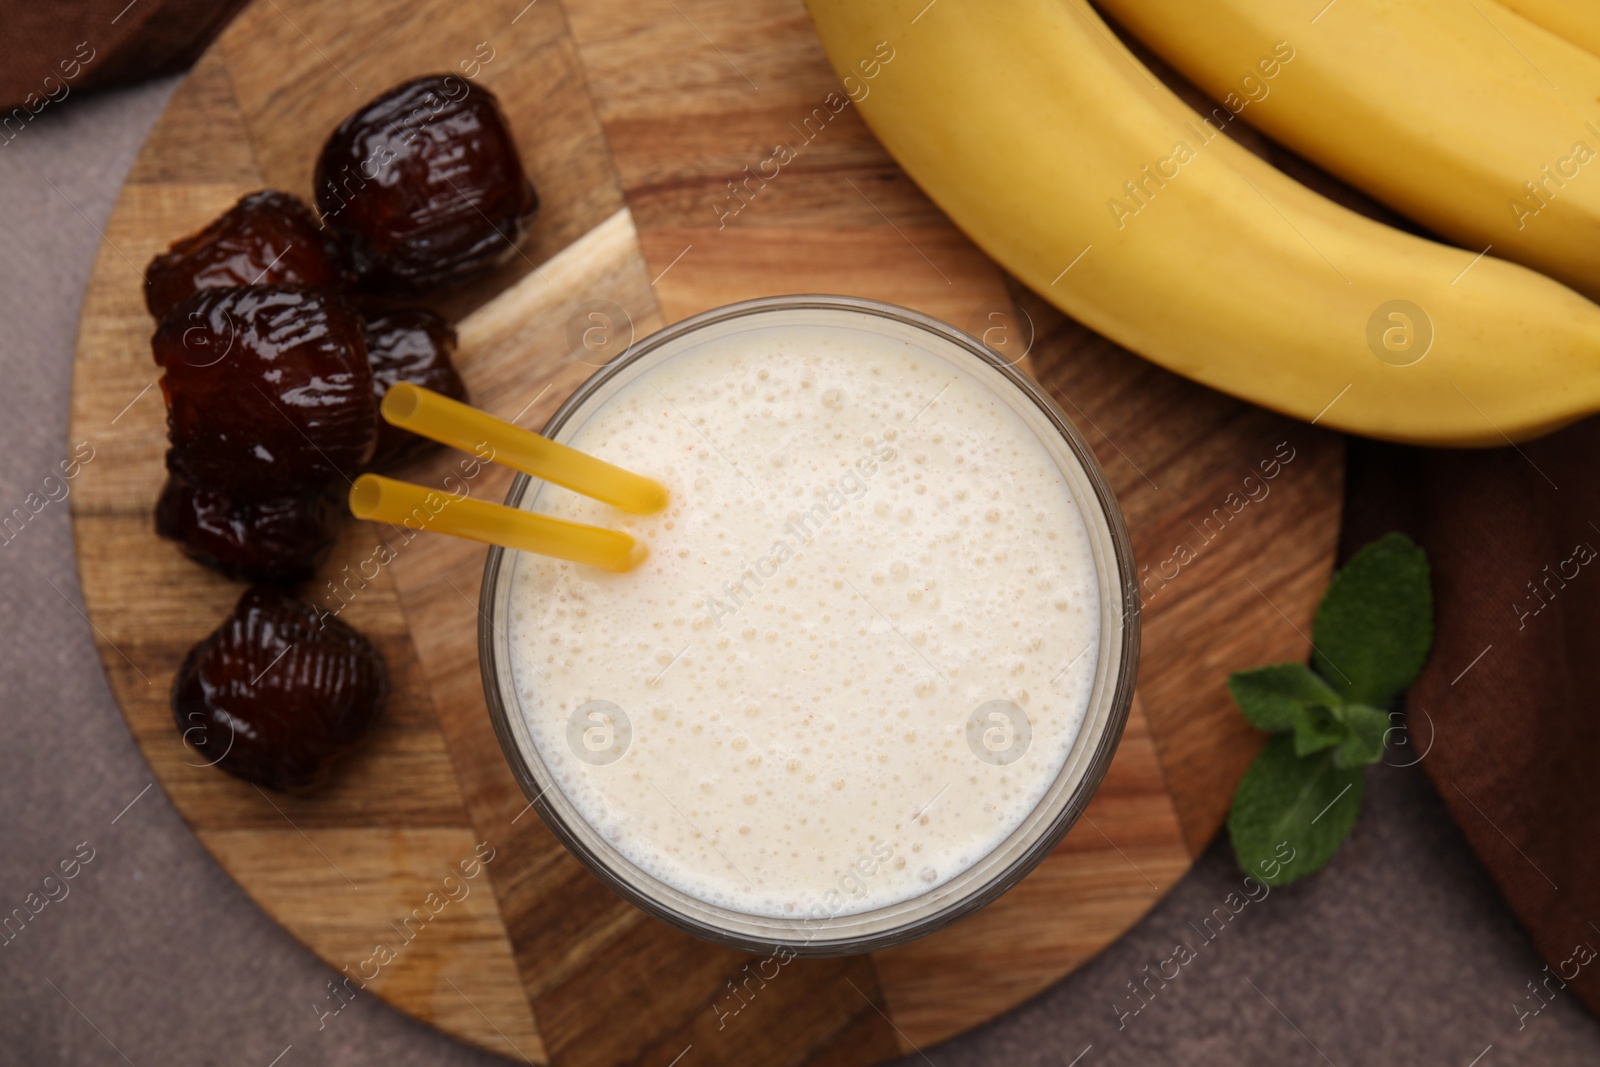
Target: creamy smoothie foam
(861,648)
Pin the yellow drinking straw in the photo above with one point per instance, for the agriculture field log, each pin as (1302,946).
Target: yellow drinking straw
(417,507)
(435,416)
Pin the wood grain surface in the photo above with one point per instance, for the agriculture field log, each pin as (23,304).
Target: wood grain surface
(642,125)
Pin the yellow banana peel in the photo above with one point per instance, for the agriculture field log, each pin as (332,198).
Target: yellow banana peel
(1061,156)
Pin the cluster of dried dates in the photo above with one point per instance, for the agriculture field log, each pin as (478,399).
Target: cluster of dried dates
(280,330)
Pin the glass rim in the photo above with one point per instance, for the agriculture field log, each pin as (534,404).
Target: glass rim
(764,933)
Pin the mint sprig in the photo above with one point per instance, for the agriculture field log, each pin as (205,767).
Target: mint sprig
(1301,796)
(1375,624)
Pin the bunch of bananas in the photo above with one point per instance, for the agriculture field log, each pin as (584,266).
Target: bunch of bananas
(1070,163)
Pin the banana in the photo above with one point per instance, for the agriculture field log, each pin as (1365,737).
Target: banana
(1448,111)
(1061,156)
(1576,20)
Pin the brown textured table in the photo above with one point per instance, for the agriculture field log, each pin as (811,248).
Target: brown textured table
(1398,953)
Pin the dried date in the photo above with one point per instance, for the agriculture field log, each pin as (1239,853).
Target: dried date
(269,392)
(279,540)
(410,346)
(275,695)
(424,187)
(267,238)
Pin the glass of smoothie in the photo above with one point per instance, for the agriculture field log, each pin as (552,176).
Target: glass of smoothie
(878,658)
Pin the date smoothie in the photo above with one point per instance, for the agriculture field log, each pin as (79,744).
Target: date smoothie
(863,644)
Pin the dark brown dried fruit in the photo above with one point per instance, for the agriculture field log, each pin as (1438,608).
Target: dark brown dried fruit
(424,186)
(269,393)
(410,346)
(267,238)
(260,541)
(275,695)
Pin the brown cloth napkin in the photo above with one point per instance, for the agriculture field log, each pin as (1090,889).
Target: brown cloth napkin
(51,49)
(1503,716)
(1506,708)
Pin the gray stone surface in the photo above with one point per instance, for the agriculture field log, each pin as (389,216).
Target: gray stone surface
(1399,953)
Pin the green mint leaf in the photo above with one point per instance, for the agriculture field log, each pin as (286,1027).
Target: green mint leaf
(1272,697)
(1365,730)
(1374,626)
(1291,814)
(1317,728)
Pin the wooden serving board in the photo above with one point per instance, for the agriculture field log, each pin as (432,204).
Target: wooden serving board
(637,121)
